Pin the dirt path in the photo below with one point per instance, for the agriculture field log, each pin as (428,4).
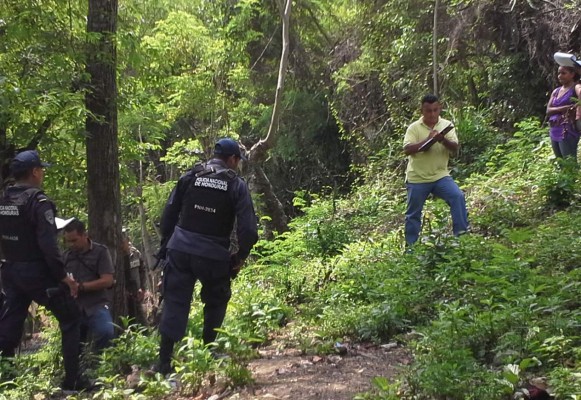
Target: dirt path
(280,374)
(289,375)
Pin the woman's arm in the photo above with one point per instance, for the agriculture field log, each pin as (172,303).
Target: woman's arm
(557,110)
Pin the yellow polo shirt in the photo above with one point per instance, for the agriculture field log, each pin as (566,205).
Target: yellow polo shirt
(431,165)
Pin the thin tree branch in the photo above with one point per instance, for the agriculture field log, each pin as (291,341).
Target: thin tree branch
(258,151)
(435,47)
(264,50)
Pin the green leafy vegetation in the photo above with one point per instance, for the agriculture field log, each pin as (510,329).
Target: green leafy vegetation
(480,314)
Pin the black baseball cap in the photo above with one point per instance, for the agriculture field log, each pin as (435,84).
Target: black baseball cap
(228,147)
(26,160)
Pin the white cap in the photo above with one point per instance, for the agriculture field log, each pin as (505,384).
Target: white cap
(566,60)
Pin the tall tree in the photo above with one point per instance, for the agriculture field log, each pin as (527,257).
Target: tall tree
(435,48)
(102,138)
(259,151)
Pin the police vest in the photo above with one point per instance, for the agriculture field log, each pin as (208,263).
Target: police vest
(17,227)
(207,205)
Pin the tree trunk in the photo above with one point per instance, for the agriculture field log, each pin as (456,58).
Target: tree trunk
(272,205)
(258,152)
(145,236)
(6,152)
(435,47)
(102,141)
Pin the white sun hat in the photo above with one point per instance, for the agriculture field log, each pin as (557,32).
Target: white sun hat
(566,60)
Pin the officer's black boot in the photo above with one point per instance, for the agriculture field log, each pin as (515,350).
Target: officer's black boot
(71,346)
(213,318)
(77,384)
(74,380)
(165,352)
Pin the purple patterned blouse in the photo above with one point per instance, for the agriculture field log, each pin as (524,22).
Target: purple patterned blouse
(560,124)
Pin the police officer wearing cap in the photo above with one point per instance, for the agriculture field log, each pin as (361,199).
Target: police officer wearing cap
(28,238)
(199,216)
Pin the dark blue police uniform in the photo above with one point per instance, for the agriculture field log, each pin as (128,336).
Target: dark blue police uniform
(28,238)
(198,218)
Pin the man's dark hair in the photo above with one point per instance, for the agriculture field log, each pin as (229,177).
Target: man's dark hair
(75,225)
(430,98)
(223,157)
(5,171)
(574,71)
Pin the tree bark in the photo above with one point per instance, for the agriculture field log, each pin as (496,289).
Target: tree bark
(435,47)
(145,236)
(6,152)
(102,140)
(258,152)
(261,184)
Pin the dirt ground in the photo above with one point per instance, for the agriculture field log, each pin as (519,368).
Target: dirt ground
(286,374)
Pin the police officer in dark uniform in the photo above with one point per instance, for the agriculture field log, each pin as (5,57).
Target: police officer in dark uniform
(28,238)
(198,219)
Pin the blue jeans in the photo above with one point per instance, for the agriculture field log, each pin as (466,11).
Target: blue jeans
(566,147)
(445,189)
(100,326)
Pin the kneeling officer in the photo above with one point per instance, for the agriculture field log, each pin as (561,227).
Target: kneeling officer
(34,267)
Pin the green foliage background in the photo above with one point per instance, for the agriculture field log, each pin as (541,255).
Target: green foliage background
(481,314)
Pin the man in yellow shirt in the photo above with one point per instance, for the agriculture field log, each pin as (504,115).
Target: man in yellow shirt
(428,148)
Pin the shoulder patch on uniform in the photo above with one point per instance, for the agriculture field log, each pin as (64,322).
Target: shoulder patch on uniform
(198,167)
(49,216)
(40,196)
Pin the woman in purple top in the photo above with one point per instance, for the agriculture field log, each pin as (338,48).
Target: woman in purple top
(561,112)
